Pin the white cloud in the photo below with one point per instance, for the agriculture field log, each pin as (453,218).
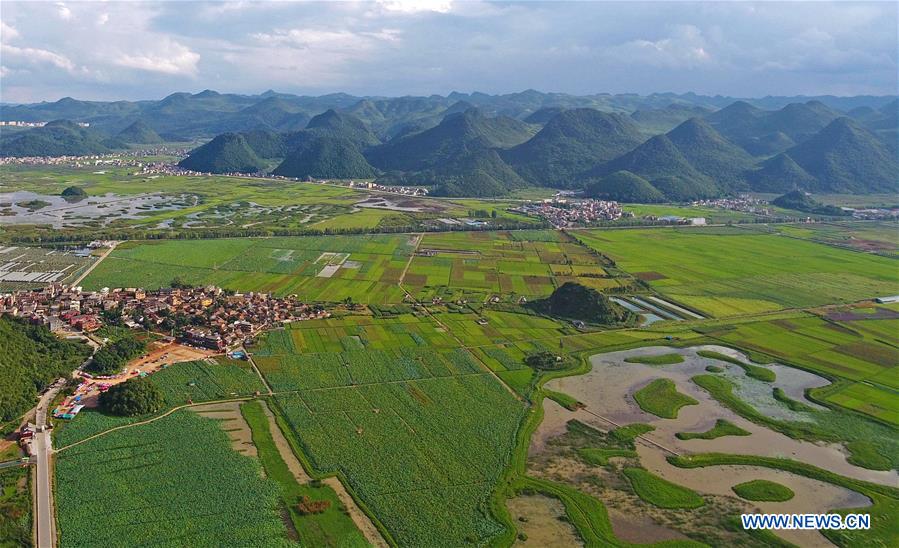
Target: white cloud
(685,47)
(4,71)
(37,56)
(416,6)
(102,19)
(7,32)
(169,58)
(63,11)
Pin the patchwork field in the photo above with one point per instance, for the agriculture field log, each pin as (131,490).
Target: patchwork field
(476,265)
(290,265)
(730,271)
(875,237)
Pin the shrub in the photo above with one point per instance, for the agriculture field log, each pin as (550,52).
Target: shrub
(133,397)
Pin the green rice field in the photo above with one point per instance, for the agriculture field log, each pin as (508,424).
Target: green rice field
(732,271)
(283,266)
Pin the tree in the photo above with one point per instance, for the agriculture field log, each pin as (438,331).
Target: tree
(545,361)
(134,397)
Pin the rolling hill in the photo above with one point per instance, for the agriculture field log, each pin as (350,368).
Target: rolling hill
(227,153)
(139,133)
(845,157)
(571,142)
(457,135)
(57,138)
(326,158)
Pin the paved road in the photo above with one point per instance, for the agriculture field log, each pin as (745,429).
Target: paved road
(45,522)
(93,266)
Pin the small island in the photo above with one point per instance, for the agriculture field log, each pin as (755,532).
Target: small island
(73,194)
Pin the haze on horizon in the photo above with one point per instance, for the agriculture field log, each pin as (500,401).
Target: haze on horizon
(123,50)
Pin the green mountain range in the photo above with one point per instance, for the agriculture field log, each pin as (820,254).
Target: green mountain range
(326,158)
(486,145)
(845,157)
(227,153)
(57,138)
(139,133)
(570,143)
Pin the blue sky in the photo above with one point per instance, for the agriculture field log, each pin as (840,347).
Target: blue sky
(146,50)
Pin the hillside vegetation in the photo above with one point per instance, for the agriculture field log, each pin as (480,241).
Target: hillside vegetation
(31,358)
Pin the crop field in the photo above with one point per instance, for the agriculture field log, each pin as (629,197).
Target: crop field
(409,418)
(875,237)
(861,354)
(725,272)
(283,266)
(476,265)
(28,267)
(175,481)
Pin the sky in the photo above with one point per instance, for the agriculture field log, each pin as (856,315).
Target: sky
(147,50)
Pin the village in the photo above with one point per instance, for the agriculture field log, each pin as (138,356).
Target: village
(187,323)
(565,212)
(207,317)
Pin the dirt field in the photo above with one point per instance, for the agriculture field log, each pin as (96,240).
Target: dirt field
(232,422)
(293,464)
(542,526)
(160,354)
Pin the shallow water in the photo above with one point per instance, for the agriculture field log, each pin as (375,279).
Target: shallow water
(61,212)
(607,391)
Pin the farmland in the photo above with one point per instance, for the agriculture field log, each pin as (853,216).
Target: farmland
(475,265)
(411,420)
(187,204)
(149,488)
(451,266)
(732,271)
(430,404)
(283,266)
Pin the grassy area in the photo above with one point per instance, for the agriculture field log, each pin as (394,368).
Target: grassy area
(722,428)
(753,371)
(199,492)
(724,271)
(865,454)
(661,398)
(884,529)
(793,405)
(15,506)
(763,490)
(600,457)
(662,359)
(196,381)
(660,492)
(631,431)
(331,526)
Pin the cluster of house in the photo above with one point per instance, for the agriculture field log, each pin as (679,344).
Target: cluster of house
(404,190)
(20,123)
(742,202)
(212,318)
(564,212)
(127,158)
